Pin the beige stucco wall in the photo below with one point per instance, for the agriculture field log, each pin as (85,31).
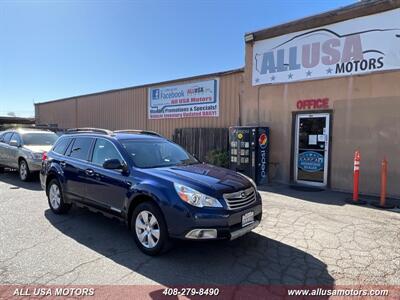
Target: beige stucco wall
(365,116)
(127,109)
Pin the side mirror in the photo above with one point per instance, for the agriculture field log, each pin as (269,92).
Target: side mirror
(115,164)
(14,143)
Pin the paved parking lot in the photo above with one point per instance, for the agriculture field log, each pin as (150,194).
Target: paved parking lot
(305,237)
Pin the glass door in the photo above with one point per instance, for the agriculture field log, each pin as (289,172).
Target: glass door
(311,149)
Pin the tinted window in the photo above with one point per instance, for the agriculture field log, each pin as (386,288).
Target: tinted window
(61,146)
(104,150)
(7,137)
(39,138)
(81,147)
(16,138)
(157,153)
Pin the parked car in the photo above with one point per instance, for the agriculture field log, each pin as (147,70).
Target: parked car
(22,149)
(155,186)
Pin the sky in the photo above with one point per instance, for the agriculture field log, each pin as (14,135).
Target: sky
(56,49)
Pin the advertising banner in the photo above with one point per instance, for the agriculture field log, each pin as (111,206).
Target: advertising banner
(197,99)
(357,46)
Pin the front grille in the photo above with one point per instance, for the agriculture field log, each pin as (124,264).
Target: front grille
(240,199)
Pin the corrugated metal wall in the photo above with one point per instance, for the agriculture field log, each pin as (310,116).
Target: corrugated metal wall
(62,113)
(127,108)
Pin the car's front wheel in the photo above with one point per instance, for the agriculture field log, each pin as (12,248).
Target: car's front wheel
(149,229)
(56,199)
(24,172)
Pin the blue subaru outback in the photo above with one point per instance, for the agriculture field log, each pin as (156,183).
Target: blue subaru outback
(155,186)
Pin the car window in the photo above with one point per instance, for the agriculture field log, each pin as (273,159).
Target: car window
(7,137)
(81,148)
(39,138)
(103,151)
(16,138)
(61,145)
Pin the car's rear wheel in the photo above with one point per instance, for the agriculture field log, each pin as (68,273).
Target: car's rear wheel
(55,198)
(23,170)
(149,229)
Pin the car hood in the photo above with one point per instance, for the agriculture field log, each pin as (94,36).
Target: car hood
(203,177)
(38,149)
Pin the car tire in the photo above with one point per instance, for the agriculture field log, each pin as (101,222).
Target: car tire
(23,170)
(56,199)
(1,170)
(151,235)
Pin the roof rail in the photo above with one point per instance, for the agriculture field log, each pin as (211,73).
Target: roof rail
(138,131)
(88,130)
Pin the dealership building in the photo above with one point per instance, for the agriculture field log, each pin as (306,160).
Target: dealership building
(325,85)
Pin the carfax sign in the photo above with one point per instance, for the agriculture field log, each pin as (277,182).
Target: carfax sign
(197,99)
(311,161)
(357,46)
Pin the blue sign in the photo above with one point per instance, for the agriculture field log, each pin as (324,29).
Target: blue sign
(311,161)
(156,94)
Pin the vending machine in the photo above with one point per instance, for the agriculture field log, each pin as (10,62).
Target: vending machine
(249,152)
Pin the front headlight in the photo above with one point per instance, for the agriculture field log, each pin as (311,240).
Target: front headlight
(194,197)
(249,179)
(35,156)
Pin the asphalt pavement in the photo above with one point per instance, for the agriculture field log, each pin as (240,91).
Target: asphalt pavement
(304,238)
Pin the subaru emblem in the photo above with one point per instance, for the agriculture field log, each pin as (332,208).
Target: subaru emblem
(243,194)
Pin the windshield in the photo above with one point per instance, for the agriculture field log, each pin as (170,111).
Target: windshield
(157,153)
(39,139)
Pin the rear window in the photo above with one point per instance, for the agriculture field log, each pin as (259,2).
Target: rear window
(39,139)
(6,137)
(61,145)
(81,148)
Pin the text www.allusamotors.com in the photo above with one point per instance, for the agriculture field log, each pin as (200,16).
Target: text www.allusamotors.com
(337,292)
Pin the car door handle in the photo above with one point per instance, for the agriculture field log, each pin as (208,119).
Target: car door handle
(89,172)
(63,164)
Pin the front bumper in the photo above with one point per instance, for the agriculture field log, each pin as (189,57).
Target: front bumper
(227,223)
(34,165)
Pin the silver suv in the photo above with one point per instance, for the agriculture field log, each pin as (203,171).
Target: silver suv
(22,149)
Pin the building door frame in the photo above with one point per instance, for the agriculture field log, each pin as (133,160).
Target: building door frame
(296,116)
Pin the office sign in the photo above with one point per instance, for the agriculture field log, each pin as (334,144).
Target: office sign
(197,99)
(362,45)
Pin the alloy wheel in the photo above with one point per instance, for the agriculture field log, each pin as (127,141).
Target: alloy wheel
(55,196)
(147,229)
(23,170)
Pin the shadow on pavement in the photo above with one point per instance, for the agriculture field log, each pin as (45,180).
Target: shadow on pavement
(328,197)
(11,177)
(252,259)
(312,195)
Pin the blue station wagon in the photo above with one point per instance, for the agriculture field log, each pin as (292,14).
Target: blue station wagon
(156,187)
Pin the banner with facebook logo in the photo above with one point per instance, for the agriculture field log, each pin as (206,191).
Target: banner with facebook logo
(197,99)
(357,46)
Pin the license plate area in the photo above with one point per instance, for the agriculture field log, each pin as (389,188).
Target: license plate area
(247,218)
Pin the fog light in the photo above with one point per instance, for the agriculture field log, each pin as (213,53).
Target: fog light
(202,234)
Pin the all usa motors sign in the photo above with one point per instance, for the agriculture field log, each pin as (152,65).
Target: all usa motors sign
(198,99)
(357,46)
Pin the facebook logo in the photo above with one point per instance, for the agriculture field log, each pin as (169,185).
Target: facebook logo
(155,94)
